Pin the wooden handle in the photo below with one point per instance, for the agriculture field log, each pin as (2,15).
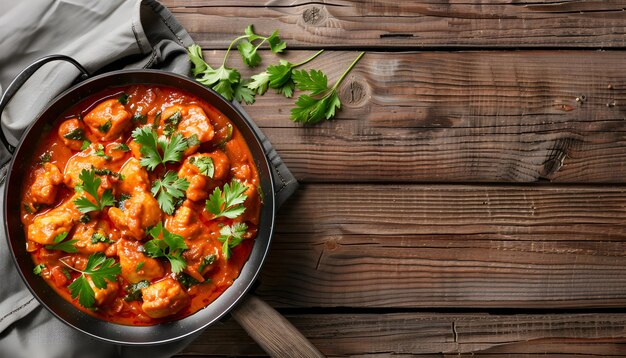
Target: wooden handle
(272,331)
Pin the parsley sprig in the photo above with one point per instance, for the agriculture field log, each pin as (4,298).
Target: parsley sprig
(65,246)
(204,164)
(152,146)
(278,77)
(231,236)
(171,247)
(100,269)
(169,191)
(322,102)
(227,81)
(90,184)
(229,202)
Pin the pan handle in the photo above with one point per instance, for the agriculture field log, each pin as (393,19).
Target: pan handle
(277,336)
(22,77)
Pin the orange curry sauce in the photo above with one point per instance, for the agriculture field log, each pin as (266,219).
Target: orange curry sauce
(49,191)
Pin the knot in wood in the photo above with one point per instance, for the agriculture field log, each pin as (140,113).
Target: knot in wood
(354,92)
(313,15)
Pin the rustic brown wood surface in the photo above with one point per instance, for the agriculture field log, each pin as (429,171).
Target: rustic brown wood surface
(469,198)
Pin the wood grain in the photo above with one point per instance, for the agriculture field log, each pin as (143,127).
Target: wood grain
(459,117)
(409,24)
(380,335)
(418,246)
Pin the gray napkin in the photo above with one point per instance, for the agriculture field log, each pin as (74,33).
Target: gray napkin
(102,36)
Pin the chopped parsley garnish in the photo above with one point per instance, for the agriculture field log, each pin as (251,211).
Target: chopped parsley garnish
(31,208)
(65,246)
(139,266)
(45,157)
(152,146)
(85,145)
(171,123)
(38,269)
(107,172)
(206,261)
(204,164)
(123,147)
(170,247)
(139,118)
(227,203)
(105,127)
(97,237)
(123,98)
(75,134)
(100,269)
(186,280)
(90,184)
(231,236)
(85,218)
(133,291)
(168,191)
(120,202)
(157,120)
(100,152)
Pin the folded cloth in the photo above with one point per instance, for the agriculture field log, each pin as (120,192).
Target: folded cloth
(102,36)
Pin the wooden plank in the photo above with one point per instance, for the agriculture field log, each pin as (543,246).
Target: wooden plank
(426,334)
(460,117)
(422,246)
(409,24)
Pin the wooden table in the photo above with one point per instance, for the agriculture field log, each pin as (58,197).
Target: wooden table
(468,199)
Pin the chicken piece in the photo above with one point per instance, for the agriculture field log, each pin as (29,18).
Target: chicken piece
(138,212)
(108,120)
(131,258)
(164,298)
(193,121)
(79,161)
(135,177)
(90,237)
(72,133)
(135,148)
(104,295)
(201,185)
(44,188)
(47,226)
(185,222)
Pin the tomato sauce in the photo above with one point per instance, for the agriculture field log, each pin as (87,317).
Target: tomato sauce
(99,135)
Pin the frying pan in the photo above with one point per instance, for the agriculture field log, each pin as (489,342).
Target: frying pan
(274,333)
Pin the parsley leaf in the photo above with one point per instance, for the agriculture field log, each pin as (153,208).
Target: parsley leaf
(45,157)
(105,127)
(97,237)
(221,80)
(139,266)
(186,280)
(139,118)
(133,291)
(123,98)
(206,261)
(322,102)
(75,134)
(168,189)
(228,203)
(170,247)
(90,184)
(171,123)
(231,236)
(38,269)
(151,146)
(278,77)
(249,53)
(85,145)
(204,164)
(100,152)
(100,269)
(243,93)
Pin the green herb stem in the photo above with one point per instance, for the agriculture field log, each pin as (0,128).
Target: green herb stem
(308,59)
(231,45)
(356,60)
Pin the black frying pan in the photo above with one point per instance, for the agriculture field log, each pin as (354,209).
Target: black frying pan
(250,315)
